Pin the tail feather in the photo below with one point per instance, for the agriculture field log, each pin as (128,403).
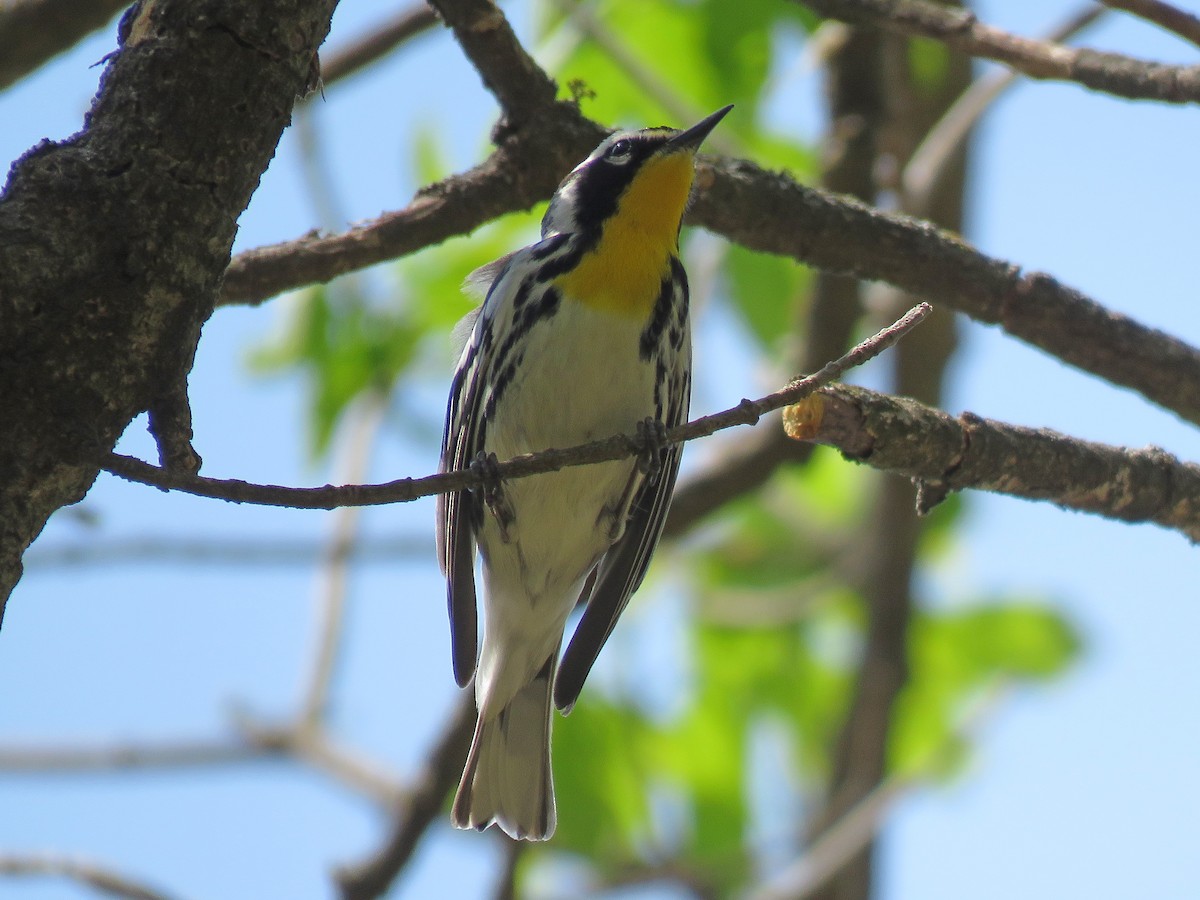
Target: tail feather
(507,779)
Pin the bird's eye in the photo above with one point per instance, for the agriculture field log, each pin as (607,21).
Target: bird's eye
(620,149)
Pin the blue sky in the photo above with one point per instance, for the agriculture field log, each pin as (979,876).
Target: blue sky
(1086,788)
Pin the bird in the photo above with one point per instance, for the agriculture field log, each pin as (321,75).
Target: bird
(582,335)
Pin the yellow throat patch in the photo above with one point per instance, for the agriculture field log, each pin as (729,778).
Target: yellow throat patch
(623,273)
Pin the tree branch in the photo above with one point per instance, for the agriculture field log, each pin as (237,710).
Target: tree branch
(92,874)
(1164,15)
(519,85)
(254,743)
(372,877)
(616,447)
(924,169)
(120,757)
(841,235)
(34,31)
(355,55)
(113,242)
(252,550)
(772,213)
(506,182)
(898,435)
(1110,73)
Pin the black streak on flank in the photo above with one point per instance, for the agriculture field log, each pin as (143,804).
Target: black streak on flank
(664,306)
(504,378)
(512,352)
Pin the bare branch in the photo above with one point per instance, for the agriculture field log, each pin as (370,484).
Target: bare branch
(836,846)
(93,874)
(922,172)
(335,571)
(372,877)
(523,171)
(905,437)
(253,744)
(358,53)
(1111,73)
(1164,15)
(252,550)
(748,412)
(51,759)
(311,744)
(772,213)
(519,85)
(34,31)
(841,235)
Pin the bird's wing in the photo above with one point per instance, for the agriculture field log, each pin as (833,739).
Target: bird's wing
(460,513)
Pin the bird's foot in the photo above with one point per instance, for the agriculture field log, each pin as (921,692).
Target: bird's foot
(652,444)
(487,468)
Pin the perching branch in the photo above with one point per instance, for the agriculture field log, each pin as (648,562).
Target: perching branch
(1111,73)
(898,435)
(616,447)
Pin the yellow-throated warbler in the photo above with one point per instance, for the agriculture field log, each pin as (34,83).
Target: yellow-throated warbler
(583,335)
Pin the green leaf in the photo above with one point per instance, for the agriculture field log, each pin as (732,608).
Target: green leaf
(955,655)
(766,291)
(429,160)
(929,63)
(601,781)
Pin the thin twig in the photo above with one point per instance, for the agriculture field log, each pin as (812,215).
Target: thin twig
(335,569)
(359,52)
(253,744)
(859,825)
(620,446)
(180,754)
(924,169)
(93,874)
(252,550)
(647,80)
(1111,73)
(836,846)
(374,875)
(1172,18)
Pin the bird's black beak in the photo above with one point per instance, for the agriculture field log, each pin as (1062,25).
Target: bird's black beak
(692,138)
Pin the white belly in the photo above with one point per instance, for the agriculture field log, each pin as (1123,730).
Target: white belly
(580,380)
